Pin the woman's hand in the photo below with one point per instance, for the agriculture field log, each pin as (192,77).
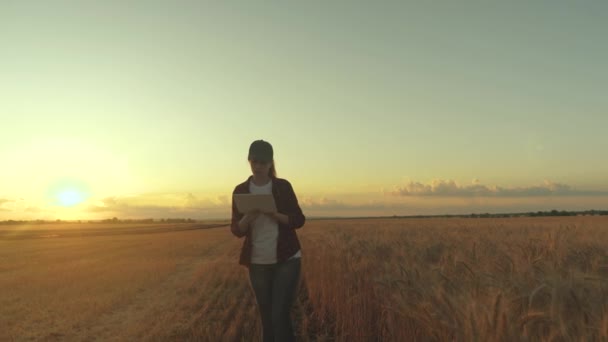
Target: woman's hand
(248,218)
(278,217)
(253,214)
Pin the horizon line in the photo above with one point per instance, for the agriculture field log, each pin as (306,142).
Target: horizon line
(555,212)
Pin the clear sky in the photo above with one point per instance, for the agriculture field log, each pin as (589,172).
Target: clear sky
(144,109)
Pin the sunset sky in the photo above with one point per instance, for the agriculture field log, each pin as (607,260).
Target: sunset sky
(146,109)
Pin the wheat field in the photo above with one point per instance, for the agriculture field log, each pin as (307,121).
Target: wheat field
(492,279)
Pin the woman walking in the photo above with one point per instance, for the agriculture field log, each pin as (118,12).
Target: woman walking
(271,250)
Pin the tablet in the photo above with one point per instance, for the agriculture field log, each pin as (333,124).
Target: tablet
(247,202)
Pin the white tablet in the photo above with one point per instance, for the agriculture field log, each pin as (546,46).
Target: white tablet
(248,202)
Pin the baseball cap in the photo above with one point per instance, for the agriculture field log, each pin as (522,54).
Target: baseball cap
(260,150)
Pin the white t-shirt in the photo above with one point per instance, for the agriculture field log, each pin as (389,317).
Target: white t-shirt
(265,232)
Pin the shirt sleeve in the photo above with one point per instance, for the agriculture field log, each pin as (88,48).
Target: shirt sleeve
(295,215)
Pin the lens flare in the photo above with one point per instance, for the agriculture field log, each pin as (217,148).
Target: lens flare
(68,192)
(70,197)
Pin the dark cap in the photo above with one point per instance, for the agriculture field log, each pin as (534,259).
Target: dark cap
(260,150)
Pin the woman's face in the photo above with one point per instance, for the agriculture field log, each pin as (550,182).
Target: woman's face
(260,168)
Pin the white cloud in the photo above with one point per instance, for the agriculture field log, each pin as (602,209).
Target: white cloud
(2,202)
(327,204)
(165,205)
(440,187)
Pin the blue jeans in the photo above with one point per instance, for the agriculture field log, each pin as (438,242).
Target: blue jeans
(275,288)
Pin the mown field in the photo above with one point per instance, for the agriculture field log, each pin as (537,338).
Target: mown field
(511,279)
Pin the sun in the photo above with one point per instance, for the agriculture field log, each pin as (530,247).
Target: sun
(68,192)
(70,197)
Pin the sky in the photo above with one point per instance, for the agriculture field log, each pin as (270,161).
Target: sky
(146,109)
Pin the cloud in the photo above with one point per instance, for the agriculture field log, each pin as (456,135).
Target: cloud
(191,200)
(163,205)
(2,202)
(312,203)
(441,205)
(326,204)
(440,187)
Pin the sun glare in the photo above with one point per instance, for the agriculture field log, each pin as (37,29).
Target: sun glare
(68,192)
(70,197)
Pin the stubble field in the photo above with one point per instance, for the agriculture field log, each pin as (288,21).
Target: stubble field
(536,279)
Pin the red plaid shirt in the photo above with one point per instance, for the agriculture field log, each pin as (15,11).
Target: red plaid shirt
(287,203)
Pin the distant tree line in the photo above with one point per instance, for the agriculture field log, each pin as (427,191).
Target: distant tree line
(545,213)
(110,220)
(525,214)
(189,220)
(149,220)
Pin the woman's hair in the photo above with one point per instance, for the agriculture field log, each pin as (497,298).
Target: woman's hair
(273,171)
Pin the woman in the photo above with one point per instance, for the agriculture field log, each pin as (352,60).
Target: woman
(271,250)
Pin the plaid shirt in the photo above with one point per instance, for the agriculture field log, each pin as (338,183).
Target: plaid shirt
(287,203)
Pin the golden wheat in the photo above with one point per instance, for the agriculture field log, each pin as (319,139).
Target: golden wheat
(362,280)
